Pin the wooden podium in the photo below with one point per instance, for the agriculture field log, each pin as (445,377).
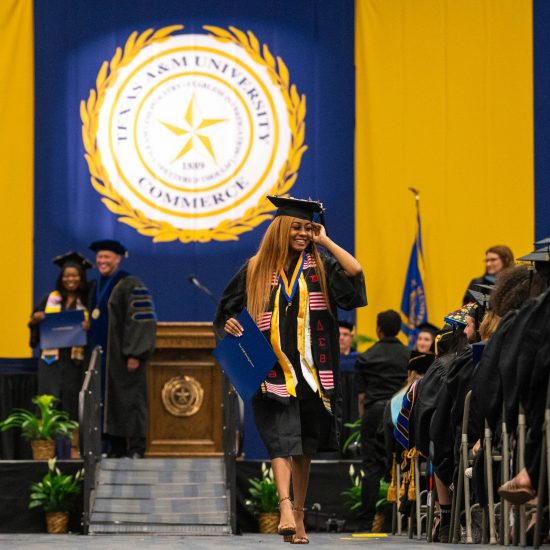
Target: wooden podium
(185,393)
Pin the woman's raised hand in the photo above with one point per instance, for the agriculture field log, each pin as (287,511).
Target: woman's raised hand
(233,327)
(38,316)
(319,233)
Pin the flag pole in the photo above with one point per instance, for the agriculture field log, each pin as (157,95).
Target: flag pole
(416,194)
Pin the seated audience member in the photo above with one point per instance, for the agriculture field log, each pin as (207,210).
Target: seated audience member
(425,339)
(61,371)
(500,329)
(445,423)
(348,357)
(380,372)
(497,258)
(527,384)
(348,354)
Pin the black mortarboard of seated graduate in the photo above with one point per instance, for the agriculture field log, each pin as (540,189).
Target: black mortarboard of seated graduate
(112,246)
(427,327)
(481,298)
(297,208)
(72,258)
(541,254)
(420,362)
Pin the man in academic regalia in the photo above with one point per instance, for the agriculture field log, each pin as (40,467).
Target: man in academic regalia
(123,323)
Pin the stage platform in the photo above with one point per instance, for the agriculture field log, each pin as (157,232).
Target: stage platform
(328,480)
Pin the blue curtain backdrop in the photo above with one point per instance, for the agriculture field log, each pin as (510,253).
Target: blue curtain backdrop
(316,41)
(72,39)
(541,67)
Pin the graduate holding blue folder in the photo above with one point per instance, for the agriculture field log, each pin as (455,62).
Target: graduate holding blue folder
(292,292)
(61,364)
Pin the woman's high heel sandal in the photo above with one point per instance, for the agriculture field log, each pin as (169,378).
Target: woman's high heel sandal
(287,529)
(296,539)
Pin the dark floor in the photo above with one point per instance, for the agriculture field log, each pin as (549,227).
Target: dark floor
(121,542)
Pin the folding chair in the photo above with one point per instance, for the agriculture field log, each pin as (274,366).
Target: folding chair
(463,483)
(544,475)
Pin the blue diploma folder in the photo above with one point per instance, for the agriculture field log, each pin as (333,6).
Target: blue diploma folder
(62,330)
(246,359)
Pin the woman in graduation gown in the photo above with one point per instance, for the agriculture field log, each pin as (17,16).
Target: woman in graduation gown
(292,291)
(60,371)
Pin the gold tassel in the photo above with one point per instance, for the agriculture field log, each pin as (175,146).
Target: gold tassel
(411,495)
(392,489)
(404,479)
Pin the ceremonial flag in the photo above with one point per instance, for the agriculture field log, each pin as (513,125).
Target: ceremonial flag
(414,310)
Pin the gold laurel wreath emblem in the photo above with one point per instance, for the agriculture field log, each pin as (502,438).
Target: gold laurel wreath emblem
(227,230)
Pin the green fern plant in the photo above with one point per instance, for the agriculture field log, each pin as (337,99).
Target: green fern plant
(50,424)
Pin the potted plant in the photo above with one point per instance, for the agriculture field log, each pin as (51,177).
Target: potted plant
(353,498)
(41,430)
(55,493)
(352,495)
(263,500)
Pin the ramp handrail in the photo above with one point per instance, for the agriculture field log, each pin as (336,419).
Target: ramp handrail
(89,416)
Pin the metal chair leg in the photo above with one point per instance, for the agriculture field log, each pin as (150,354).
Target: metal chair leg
(540,493)
(489,480)
(521,464)
(504,504)
(466,481)
(418,501)
(457,503)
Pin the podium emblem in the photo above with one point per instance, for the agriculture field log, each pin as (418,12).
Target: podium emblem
(182,396)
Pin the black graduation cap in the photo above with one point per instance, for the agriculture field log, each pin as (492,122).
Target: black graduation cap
(303,209)
(72,258)
(538,255)
(420,362)
(481,298)
(345,324)
(427,327)
(112,246)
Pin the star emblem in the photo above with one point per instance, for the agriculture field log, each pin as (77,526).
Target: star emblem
(195,129)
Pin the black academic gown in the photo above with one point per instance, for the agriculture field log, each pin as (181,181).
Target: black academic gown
(427,391)
(344,292)
(126,328)
(446,423)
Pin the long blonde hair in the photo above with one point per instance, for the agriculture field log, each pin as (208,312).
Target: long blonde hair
(271,258)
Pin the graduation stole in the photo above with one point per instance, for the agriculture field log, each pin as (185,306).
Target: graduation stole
(401,429)
(53,305)
(310,306)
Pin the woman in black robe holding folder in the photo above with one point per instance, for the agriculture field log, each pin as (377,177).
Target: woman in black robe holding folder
(60,371)
(292,291)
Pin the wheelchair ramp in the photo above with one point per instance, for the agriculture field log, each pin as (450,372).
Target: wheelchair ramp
(164,496)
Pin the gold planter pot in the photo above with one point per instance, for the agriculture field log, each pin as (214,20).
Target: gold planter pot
(268,522)
(57,522)
(42,449)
